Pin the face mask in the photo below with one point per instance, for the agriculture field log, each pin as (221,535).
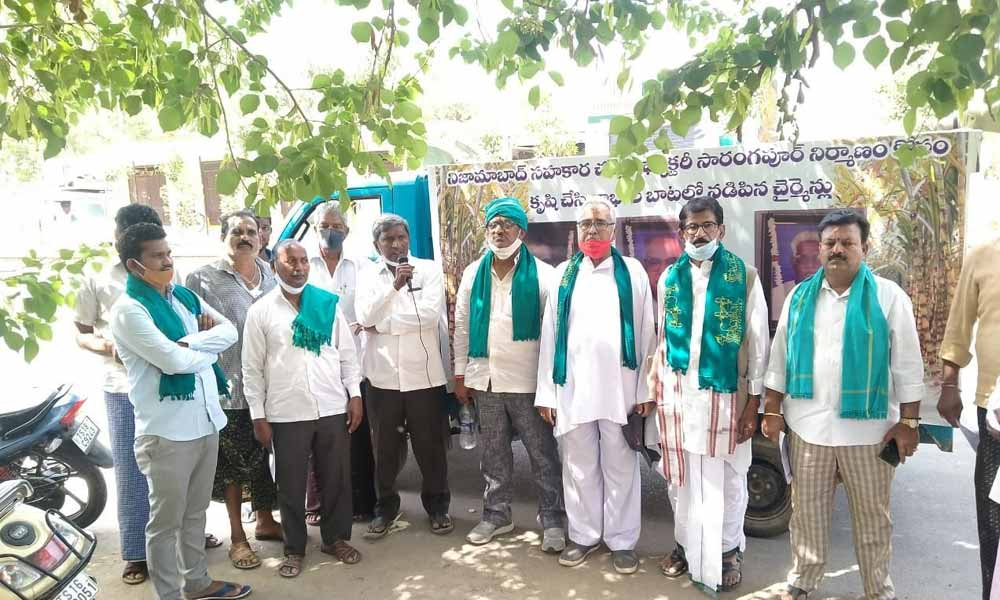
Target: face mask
(595,248)
(504,253)
(392,264)
(157,279)
(333,238)
(295,291)
(704,252)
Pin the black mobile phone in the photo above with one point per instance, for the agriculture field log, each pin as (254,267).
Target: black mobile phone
(890,453)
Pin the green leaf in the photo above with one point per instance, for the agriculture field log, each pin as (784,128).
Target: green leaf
(556,78)
(271,101)
(408,111)
(361,32)
(942,21)
(843,55)
(323,80)
(133,105)
(657,163)
(866,27)
(898,31)
(619,125)
(535,96)
(507,42)
(249,103)
(898,58)
(968,47)
(226,181)
(428,31)
(910,120)
(894,8)
(170,118)
(30,349)
(461,14)
(875,51)
(265,163)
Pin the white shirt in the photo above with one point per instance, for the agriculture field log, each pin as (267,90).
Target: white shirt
(148,353)
(284,383)
(344,283)
(405,351)
(598,386)
(511,367)
(817,420)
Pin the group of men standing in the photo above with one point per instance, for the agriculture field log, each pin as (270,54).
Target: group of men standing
(310,355)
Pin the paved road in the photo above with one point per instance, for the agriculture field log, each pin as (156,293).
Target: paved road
(936,550)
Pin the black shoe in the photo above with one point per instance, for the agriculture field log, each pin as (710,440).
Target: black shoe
(575,554)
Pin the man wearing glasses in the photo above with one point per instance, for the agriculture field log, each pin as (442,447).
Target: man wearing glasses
(597,333)
(708,375)
(498,320)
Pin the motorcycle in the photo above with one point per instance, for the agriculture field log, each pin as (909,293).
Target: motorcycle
(42,553)
(57,452)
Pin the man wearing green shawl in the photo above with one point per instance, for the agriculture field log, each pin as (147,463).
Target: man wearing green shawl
(845,378)
(597,334)
(498,318)
(169,340)
(708,375)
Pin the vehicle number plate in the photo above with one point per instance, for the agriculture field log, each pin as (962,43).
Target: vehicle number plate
(85,434)
(83,587)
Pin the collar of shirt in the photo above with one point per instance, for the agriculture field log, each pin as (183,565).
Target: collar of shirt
(587,265)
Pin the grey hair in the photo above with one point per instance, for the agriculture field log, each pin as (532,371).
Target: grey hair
(326,208)
(597,201)
(388,221)
(285,243)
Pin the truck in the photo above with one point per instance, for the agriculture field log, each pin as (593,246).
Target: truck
(914,191)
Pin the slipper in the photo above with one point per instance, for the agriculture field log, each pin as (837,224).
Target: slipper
(228,591)
(243,557)
(211,541)
(291,566)
(441,524)
(135,572)
(380,527)
(313,519)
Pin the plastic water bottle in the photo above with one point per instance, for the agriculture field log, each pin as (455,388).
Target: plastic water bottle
(468,435)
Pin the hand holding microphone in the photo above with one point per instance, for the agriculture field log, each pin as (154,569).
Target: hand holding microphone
(404,275)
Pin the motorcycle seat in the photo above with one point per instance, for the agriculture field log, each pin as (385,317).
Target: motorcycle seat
(10,422)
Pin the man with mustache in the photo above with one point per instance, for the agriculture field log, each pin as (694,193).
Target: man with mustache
(302,382)
(498,318)
(169,340)
(231,285)
(597,333)
(334,271)
(707,378)
(846,376)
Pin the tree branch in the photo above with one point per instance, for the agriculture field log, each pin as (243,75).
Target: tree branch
(222,104)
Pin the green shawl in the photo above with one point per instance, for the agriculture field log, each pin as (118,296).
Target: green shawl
(313,326)
(525,307)
(864,392)
(624,283)
(724,324)
(179,386)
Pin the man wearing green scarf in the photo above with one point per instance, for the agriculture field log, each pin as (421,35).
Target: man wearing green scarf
(498,318)
(169,340)
(708,375)
(845,378)
(597,334)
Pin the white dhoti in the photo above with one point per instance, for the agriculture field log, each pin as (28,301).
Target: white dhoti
(601,486)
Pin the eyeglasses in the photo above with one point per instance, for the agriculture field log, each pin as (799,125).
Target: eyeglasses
(503,224)
(708,227)
(599,225)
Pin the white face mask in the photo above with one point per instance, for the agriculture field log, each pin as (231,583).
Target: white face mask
(392,264)
(504,253)
(295,291)
(704,252)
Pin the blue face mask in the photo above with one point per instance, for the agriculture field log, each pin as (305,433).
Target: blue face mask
(333,238)
(703,252)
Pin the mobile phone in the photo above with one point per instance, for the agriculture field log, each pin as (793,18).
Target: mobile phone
(890,453)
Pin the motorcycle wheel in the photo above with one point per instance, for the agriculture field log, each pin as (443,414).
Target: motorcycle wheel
(65,481)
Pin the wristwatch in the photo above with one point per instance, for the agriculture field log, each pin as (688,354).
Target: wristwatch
(911,423)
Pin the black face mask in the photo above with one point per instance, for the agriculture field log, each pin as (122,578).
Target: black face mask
(333,238)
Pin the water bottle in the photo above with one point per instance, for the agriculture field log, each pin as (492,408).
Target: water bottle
(468,435)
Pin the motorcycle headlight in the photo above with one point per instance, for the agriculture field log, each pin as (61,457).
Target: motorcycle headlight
(18,576)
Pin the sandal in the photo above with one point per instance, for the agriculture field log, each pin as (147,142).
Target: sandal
(243,557)
(291,566)
(441,524)
(380,526)
(136,572)
(732,563)
(794,593)
(674,564)
(211,541)
(343,552)
(313,519)
(224,590)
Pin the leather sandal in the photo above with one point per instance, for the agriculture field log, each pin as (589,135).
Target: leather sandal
(135,572)
(243,557)
(675,564)
(291,566)
(732,562)
(342,551)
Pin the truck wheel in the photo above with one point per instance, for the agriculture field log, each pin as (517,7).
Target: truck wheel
(770,506)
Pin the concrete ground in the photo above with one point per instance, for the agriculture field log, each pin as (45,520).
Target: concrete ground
(936,553)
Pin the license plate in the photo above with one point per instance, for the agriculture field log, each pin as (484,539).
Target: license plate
(85,434)
(83,587)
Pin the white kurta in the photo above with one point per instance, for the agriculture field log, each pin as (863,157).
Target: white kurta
(600,472)
(715,485)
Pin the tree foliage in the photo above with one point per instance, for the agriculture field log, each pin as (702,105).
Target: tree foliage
(187,61)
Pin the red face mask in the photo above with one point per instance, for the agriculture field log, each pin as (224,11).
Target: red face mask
(595,248)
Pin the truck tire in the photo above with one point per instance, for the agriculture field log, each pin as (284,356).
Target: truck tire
(770,506)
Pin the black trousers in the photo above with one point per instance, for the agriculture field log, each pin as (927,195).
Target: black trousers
(987,511)
(422,414)
(330,445)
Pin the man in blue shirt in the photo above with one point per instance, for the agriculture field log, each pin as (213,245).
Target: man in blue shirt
(169,341)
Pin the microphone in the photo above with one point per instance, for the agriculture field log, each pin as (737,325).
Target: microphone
(402,260)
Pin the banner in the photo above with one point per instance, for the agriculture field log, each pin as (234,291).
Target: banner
(772,197)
